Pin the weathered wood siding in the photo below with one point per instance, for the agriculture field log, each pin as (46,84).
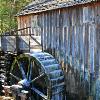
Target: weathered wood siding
(8,43)
(24,41)
(72,35)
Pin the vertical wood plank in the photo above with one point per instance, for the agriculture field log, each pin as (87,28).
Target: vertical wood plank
(45,31)
(91,47)
(81,51)
(73,46)
(61,34)
(58,14)
(48,31)
(53,32)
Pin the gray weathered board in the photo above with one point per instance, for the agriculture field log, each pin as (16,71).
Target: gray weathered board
(20,43)
(24,43)
(8,43)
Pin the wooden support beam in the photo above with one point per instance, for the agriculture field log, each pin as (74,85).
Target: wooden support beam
(35,40)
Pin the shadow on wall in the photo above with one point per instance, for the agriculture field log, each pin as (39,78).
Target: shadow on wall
(50,51)
(76,87)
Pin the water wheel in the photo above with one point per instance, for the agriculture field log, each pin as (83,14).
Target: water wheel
(39,73)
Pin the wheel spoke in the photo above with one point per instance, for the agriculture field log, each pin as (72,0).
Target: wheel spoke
(13,64)
(22,70)
(17,78)
(39,93)
(38,77)
(30,70)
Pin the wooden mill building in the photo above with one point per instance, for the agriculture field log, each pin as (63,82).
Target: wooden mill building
(69,30)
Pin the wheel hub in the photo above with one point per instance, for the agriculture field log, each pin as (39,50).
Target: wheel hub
(24,82)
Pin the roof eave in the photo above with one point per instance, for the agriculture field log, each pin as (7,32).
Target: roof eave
(57,7)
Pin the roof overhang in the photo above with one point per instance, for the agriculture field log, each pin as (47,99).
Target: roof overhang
(52,5)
